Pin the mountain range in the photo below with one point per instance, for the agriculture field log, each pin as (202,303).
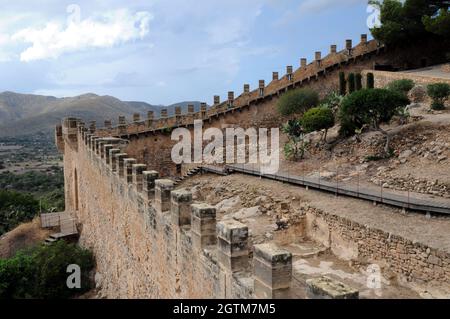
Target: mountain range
(25,114)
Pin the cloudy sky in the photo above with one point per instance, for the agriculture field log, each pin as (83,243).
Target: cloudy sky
(164,51)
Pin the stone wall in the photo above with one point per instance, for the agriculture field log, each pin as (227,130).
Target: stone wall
(151,241)
(411,261)
(150,140)
(383,78)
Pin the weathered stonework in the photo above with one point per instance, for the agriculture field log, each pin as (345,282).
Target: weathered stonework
(151,241)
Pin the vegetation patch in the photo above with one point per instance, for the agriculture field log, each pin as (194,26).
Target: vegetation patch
(41,272)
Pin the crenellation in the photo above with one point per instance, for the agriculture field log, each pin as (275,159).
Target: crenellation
(230,99)
(163,187)
(113,159)
(137,175)
(92,127)
(333,49)
(246,88)
(203,110)
(303,63)
(290,73)
(233,245)
(275,76)
(318,58)
(272,271)
(364,39)
(149,180)
(136,117)
(119,163)
(106,149)
(128,169)
(108,124)
(203,226)
(262,86)
(181,201)
(349,46)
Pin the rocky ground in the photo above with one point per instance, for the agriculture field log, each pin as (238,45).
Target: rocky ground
(419,161)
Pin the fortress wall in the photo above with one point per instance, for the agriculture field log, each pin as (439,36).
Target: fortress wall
(150,244)
(150,139)
(153,242)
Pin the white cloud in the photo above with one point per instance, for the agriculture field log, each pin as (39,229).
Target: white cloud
(110,29)
(317,6)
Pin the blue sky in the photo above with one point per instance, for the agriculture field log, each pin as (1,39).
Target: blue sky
(164,51)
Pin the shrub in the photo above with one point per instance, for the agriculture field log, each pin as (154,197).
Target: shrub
(369,106)
(16,208)
(296,147)
(342,84)
(333,101)
(41,272)
(439,92)
(370,81)
(318,119)
(358,81)
(297,101)
(403,85)
(351,83)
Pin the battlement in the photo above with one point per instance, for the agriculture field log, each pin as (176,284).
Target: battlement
(222,244)
(305,74)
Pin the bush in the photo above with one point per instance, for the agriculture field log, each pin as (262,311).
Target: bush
(317,119)
(351,83)
(296,147)
(342,84)
(358,81)
(297,101)
(403,85)
(41,272)
(439,92)
(369,106)
(370,81)
(16,208)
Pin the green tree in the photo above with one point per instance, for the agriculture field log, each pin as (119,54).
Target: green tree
(438,24)
(297,101)
(318,119)
(370,81)
(439,92)
(410,20)
(370,107)
(342,84)
(16,208)
(351,83)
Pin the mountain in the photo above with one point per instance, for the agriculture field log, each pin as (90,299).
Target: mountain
(24,114)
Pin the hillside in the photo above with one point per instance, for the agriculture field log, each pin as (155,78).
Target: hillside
(24,114)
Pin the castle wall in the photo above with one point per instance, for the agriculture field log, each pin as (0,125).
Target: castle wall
(150,244)
(150,140)
(151,241)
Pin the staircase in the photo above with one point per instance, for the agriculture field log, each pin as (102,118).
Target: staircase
(190,173)
(64,221)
